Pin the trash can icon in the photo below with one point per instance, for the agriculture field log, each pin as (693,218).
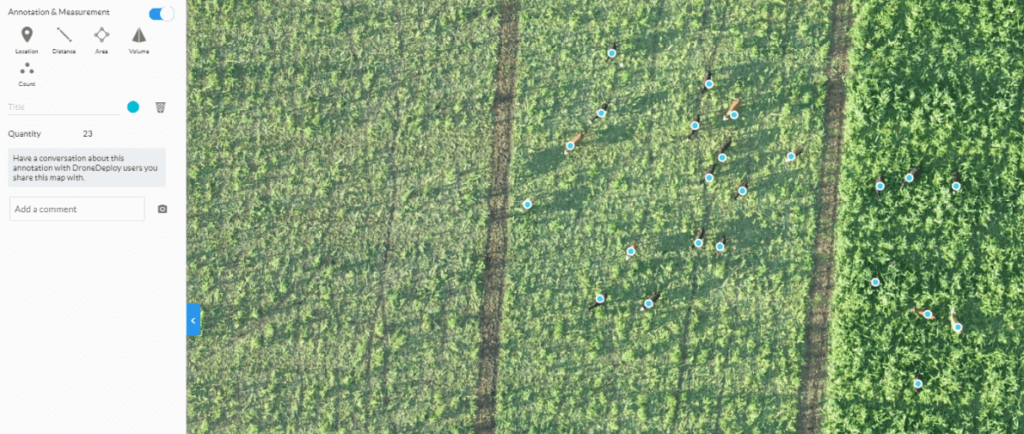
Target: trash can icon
(160,107)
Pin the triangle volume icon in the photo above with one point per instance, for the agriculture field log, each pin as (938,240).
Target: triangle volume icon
(138,36)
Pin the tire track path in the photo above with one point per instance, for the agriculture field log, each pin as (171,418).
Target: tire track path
(497,219)
(814,374)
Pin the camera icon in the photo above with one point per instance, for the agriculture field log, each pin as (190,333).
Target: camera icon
(162,209)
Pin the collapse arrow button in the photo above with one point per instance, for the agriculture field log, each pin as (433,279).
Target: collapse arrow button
(194,319)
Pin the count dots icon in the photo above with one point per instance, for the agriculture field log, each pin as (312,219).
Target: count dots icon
(30,71)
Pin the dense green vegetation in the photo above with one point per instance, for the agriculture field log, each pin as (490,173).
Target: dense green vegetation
(934,84)
(338,194)
(338,181)
(720,352)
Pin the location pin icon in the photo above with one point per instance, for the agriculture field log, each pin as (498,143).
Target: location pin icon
(26,33)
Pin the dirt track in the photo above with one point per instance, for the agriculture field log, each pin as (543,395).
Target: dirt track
(497,219)
(815,372)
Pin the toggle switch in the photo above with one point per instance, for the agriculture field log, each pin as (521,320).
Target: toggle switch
(161,14)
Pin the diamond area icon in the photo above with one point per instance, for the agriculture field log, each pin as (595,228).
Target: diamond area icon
(101,34)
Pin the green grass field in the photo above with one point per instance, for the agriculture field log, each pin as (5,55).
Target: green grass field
(337,197)
(935,84)
(340,169)
(721,349)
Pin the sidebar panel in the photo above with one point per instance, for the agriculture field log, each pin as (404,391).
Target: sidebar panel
(93,233)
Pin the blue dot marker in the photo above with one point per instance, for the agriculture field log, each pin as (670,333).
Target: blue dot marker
(600,113)
(709,84)
(918,384)
(698,242)
(599,299)
(709,177)
(734,114)
(958,327)
(611,52)
(630,251)
(648,303)
(133,107)
(875,282)
(928,314)
(570,146)
(790,156)
(879,186)
(720,246)
(742,191)
(527,204)
(956,186)
(722,157)
(909,177)
(694,125)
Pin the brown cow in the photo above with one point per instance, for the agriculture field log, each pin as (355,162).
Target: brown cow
(733,107)
(575,141)
(796,153)
(921,312)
